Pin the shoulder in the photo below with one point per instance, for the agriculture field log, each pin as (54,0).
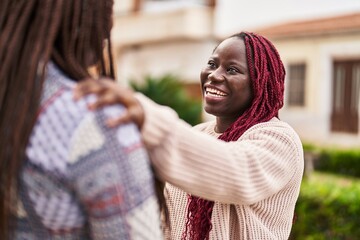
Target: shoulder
(273,126)
(92,134)
(58,99)
(207,127)
(277,132)
(68,129)
(204,125)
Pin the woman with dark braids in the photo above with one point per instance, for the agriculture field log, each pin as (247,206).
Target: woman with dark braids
(237,177)
(63,173)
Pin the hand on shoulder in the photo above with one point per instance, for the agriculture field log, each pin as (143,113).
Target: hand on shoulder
(108,92)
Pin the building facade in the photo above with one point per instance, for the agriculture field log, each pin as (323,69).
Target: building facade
(322,59)
(161,37)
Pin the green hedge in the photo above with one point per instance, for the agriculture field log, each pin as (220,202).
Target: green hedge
(168,90)
(334,160)
(346,162)
(328,208)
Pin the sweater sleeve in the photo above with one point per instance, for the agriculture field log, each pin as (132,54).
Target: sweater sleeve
(251,169)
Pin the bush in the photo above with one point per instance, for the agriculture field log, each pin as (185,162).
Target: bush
(334,160)
(328,208)
(345,162)
(310,147)
(168,90)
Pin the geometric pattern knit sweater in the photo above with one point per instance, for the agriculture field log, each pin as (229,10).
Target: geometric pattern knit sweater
(254,181)
(82,180)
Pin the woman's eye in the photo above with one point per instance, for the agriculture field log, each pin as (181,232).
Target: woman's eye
(233,70)
(211,64)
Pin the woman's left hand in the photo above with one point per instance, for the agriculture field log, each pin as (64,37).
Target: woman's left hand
(109,92)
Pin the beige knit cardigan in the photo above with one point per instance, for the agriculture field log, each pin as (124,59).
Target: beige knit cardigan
(255,181)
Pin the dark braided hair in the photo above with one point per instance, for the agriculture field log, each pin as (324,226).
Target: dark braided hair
(267,74)
(32,32)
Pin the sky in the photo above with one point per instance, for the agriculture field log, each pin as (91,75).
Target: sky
(237,15)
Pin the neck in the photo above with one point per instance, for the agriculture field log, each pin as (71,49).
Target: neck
(222,124)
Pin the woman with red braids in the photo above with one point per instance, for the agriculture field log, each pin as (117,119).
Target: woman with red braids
(237,177)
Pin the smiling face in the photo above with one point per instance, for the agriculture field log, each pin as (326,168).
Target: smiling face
(225,81)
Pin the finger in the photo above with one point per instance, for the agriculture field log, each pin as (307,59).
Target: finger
(114,122)
(82,89)
(134,115)
(137,115)
(86,87)
(103,100)
(125,96)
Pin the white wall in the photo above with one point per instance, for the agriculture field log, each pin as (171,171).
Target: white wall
(313,121)
(236,15)
(122,6)
(185,59)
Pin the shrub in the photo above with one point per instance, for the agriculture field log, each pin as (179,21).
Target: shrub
(334,160)
(328,208)
(346,162)
(168,90)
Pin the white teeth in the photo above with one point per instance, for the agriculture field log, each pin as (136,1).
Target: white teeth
(214,92)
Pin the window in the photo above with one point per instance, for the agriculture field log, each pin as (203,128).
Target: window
(346,96)
(296,87)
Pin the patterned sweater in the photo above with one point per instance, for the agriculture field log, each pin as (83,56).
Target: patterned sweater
(81,179)
(254,181)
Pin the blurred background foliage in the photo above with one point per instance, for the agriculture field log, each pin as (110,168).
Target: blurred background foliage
(329,203)
(168,90)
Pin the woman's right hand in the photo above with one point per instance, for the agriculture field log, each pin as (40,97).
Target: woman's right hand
(109,92)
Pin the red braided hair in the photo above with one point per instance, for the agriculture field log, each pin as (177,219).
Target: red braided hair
(267,74)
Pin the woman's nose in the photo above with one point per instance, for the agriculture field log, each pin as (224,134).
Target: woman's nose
(216,75)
